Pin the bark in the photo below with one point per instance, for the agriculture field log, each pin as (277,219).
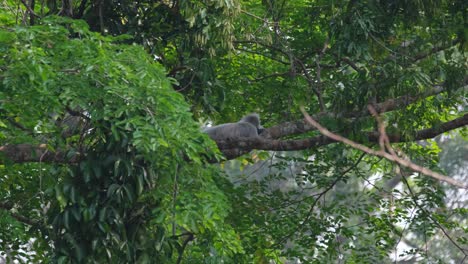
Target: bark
(21,153)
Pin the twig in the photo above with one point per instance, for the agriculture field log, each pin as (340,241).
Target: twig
(384,141)
(264,20)
(351,63)
(319,72)
(413,197)
(319,196)
(312,84)
(7,207)
(174,200)
(402,162)
(29,8)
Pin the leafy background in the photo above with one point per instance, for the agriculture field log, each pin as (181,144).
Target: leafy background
(136,181)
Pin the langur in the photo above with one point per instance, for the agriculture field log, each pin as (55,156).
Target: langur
(73,122)
(249,127)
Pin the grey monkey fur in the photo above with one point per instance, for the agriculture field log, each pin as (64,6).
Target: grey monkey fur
(249,126)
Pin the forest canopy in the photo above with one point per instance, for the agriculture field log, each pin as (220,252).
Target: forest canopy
(363,158)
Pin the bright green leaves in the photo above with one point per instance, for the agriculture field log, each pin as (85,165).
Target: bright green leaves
(135,130)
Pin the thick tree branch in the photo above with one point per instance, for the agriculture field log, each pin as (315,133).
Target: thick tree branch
(234,148)
(425,133)
(22,153)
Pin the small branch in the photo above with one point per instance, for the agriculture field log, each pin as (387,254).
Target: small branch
(402,162)
(395,103)
(264,20)
(319,73)
(415,201)
(18,125)
(384,141)
(273,75)
(175,70)
(351,64)
(67,8)
(174,200)
(184,245)
(319,196)
(182,234)
(265,45)
(6,205)
(32,4)
(264,55)
(77,113)
(188,84)
(300,126)
(312,85)
(434,50)
(30,10)
(23,219)
(101,17)
(20,218)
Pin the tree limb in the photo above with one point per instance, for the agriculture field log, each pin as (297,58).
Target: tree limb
(232,148)
(7,207)
(301,126)
(380,153)
(22,153)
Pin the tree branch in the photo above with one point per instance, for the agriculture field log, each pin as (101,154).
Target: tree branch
(300,126)
(234,148)
(30,10)
(7,207)
(231,148)
(434,50)
(380,153)
(436,222)
(81,9)
(184,245)
(22,153)
(312,84)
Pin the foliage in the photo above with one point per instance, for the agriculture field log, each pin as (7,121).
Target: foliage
(116,203)
(132,180)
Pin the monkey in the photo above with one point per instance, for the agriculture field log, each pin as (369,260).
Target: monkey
(249,126)
(72,122)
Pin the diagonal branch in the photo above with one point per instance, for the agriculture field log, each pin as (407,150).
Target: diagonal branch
(30,10)
(7,207)
(380,153)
